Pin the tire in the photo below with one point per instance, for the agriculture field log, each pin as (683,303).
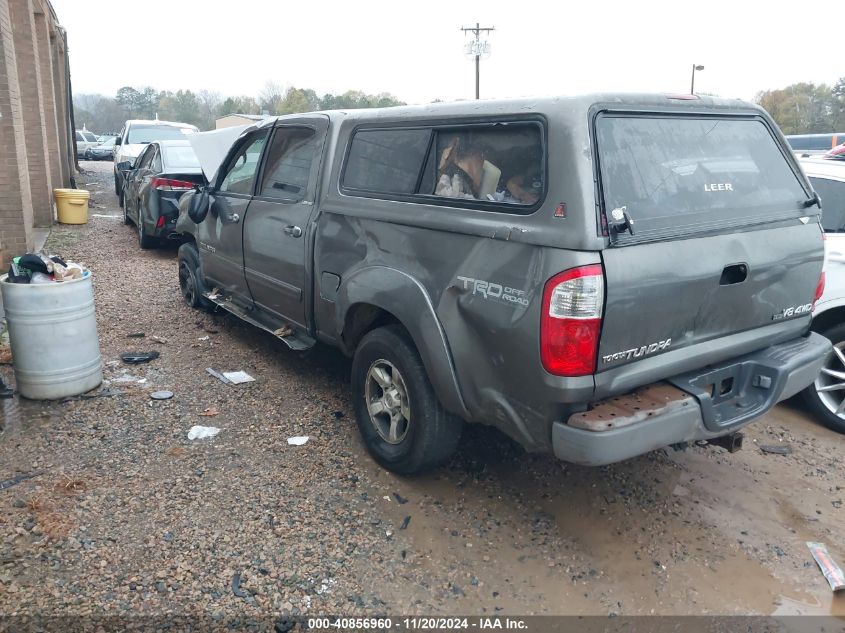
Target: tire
(116,186)
(144,241)
(423,434)
(120,199)
(823,404)
(190,279)
(126,219)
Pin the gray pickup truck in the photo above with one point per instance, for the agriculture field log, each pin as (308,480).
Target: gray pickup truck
(597,276)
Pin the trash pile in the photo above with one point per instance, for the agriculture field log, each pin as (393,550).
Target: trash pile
(37,268)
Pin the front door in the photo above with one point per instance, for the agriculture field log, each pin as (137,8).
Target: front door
(276,229)
(220,235)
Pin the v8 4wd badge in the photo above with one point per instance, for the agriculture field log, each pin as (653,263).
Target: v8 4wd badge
(792,311)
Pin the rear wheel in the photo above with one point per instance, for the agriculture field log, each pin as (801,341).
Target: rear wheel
(404,426)
(190,280)
(116,186)
(144,241)
(826,396)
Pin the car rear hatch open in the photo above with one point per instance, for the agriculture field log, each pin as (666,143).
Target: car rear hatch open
(712,233)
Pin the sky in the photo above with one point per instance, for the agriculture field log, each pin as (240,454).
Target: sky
(415,49)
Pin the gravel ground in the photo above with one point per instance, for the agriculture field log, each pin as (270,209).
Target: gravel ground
(125,515)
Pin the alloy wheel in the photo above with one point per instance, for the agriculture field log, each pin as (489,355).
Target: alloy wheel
(186,284)
(387,401)
(830,384)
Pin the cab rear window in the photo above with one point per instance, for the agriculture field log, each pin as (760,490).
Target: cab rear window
(671,171)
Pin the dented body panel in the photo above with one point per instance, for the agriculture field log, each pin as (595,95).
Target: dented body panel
(467,283)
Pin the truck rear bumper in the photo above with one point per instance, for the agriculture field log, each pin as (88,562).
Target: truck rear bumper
(700,405)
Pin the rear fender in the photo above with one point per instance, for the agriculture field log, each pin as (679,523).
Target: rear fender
(406,299)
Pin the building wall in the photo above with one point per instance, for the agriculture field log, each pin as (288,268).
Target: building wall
(231,120)
(34,121)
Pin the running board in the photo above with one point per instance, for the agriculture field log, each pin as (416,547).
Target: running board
(294,339)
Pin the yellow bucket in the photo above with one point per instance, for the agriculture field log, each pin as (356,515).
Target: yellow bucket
(71,205)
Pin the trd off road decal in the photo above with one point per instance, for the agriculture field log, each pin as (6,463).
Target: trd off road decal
(493,291)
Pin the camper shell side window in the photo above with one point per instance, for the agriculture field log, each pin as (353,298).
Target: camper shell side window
(495,165)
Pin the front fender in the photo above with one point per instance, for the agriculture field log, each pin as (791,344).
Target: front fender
(406,299)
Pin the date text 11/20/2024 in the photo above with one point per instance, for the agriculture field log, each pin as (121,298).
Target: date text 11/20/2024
(416,623)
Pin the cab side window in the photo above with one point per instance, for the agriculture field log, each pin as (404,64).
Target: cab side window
(156,162)
(288,166)
(241,169)
(144,159)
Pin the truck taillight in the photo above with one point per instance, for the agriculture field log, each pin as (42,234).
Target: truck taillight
(169,184)
(819,289)
(571,321)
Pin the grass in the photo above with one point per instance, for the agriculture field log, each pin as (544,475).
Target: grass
(63,237)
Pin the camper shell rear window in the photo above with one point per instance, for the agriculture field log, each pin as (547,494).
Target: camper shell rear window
(497,166)
(673,173)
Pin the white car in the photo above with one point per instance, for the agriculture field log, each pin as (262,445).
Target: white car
(826,397)
(135,136)
(85,140)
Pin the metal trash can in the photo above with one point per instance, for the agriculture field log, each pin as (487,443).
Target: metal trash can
(53,336)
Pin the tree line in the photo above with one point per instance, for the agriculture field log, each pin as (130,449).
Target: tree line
(802,108)
(102,114)
(807,108)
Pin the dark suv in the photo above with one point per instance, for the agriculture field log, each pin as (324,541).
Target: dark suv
(597,276)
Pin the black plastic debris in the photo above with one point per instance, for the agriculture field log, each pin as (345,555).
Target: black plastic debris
(236,587)
(777,449)
(135,358)
(14,481)
(5,390)
(136,335)
(405,522)
(399,498)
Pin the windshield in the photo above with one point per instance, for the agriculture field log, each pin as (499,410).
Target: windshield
(150,133)
(108,142)
(671,171)
(181,157)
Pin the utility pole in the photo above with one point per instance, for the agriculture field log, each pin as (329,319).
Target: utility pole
(476,48)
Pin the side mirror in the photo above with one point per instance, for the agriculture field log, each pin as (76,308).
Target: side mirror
(124,166)
(118,141)
(198,205)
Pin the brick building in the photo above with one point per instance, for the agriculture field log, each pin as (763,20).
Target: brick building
(36,150)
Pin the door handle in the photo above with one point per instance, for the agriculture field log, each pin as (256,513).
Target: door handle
(293,231)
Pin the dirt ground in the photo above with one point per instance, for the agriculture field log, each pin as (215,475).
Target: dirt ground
(124,514)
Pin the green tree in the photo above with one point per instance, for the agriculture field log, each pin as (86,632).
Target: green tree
(802,108)
(141,104)
(239,105)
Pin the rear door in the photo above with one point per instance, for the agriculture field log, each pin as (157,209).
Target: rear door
(220,235)
(135,178)
(276,229)
(723,239)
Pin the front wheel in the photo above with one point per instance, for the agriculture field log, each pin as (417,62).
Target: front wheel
(190,283)
(826,396)
(403,425)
